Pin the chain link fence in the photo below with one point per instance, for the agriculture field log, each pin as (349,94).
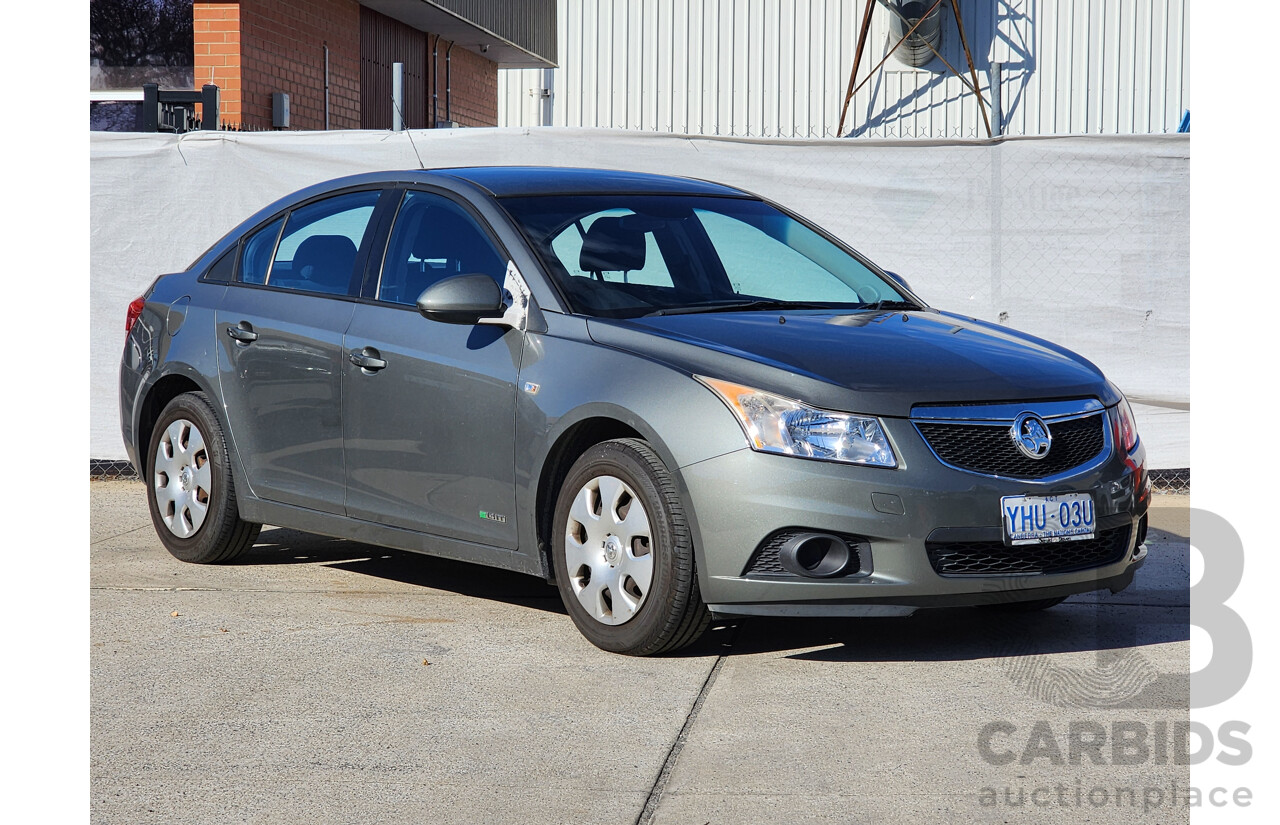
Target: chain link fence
(106,470)
(1172,482)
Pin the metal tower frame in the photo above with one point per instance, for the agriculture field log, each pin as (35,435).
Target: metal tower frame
(862,42)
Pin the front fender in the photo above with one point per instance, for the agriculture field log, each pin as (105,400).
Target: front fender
(568,379)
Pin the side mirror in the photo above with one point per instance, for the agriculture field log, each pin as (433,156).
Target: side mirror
(900,280)
(462,299)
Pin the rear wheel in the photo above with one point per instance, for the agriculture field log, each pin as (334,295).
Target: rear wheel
(190,491)
(623,552)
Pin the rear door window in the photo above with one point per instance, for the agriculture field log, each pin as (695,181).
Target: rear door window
(320,245)
(255,257)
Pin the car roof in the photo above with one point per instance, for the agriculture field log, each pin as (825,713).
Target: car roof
(513,181)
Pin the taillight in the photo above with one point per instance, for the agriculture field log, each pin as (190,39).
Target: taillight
(135,310)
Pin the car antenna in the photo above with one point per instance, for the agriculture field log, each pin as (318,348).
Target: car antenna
(409,132)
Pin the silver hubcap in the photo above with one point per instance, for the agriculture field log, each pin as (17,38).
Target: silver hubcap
(182,478)
(609,550)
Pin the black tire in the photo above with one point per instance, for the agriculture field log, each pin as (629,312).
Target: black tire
(1027,606)
(222,535)
(672,614)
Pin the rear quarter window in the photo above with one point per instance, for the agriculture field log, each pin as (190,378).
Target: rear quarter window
(224,268)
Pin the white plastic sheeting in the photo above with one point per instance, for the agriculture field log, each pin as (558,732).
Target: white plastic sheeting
(1081,240)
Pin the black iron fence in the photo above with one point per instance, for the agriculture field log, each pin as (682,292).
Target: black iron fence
(174,110)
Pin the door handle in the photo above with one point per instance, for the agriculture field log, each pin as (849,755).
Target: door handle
(367,359)
(243,333)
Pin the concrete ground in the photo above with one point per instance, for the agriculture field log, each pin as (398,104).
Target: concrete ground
(321,681)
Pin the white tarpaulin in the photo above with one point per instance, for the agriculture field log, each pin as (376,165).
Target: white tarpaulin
(1080,240)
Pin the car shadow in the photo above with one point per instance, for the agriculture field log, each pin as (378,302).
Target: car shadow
(961,634)
(1139,617)
(1154,610)
(284,546)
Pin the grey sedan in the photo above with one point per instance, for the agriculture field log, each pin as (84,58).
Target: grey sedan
(672,398)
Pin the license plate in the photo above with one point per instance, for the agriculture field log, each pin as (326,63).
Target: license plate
(1047,519)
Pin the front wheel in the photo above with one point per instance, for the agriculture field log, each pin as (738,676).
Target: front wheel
(623,553)
(190,491)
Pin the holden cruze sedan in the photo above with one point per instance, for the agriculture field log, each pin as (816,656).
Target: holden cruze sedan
(673,398)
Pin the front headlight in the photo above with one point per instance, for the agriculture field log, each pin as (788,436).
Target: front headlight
(1126,427)
(774,424)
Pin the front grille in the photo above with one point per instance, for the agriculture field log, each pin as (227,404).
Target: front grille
(980,558)
(990,450)
(764,561)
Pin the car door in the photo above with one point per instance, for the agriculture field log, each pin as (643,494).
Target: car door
(429,407)
(279,329)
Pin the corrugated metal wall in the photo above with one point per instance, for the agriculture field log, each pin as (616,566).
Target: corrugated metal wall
(779,68)
(384,41)
(526,23)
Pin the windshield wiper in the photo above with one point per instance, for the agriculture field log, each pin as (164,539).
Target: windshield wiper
(748,306)
(879,305)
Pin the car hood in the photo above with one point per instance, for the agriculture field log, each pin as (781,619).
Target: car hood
(883,363)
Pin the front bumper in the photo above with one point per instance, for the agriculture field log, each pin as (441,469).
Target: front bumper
(739,499)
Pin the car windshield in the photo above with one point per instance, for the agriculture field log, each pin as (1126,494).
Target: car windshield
(624,256)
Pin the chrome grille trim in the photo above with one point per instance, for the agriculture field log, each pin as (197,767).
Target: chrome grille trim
(1004,413)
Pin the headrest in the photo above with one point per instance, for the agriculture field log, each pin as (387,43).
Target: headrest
(325,260)
(608,247)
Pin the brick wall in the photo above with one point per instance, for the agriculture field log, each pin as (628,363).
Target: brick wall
(217,55)
(283,51)
(253,48)
(474,83)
